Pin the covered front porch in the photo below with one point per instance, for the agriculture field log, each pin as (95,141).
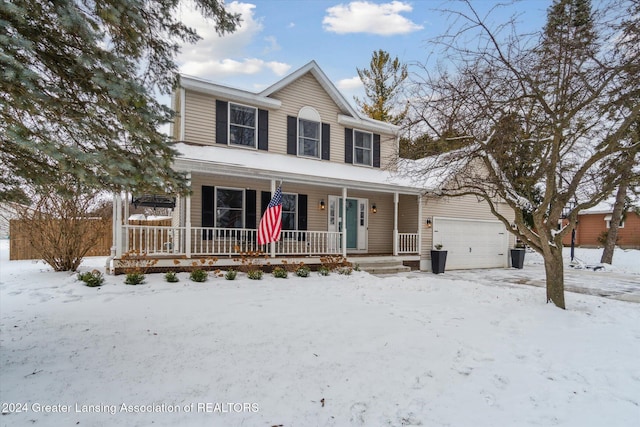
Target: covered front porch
(321,216)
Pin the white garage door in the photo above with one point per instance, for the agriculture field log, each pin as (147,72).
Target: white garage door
(472,243)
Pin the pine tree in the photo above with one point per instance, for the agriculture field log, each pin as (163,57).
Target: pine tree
(382,84)
(77,91)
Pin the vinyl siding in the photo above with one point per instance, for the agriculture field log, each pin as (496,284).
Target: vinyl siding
(200,118)
(306,91)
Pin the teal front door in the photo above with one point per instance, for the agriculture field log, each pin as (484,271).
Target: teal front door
(351,218)
(355,220)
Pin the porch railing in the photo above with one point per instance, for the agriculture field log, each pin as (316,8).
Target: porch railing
(407,243)
(166,240)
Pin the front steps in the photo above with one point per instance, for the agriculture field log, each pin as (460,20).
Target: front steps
(379,266)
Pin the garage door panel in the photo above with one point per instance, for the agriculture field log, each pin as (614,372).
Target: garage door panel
(472,243)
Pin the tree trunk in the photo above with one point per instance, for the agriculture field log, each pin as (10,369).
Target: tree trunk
(616,216)
(554,270)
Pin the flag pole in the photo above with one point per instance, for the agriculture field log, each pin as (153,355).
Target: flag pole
(273,244)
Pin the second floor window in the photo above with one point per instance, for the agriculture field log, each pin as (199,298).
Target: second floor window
(308,138)
(362,148)
(242,125)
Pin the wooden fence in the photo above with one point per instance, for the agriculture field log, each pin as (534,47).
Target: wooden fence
(20,249)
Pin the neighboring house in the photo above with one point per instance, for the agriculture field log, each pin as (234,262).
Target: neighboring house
(342,193)
(594,222)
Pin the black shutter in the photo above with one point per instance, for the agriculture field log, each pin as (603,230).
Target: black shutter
(222,119)
(208,214)
(326,141)
(292,140)
(376,150)
(302,216)
(263,130)
(348,145)
(265,198)
(250,212)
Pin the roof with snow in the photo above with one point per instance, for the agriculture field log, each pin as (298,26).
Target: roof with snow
(264,165)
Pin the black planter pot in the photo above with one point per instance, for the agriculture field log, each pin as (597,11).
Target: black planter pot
(438,261)
(517,258)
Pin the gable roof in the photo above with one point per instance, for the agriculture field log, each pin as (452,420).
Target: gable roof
(349,117)
(313,68)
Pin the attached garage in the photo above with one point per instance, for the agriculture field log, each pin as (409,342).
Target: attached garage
(472,243)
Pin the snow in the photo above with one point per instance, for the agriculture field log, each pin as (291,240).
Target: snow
(268,165)
(467,348)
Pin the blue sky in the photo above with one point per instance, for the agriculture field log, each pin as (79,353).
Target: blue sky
(278,36)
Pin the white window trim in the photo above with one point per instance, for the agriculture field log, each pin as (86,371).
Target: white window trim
(607,219)
(354,149)
(309,114)
(229,124)
(215,204)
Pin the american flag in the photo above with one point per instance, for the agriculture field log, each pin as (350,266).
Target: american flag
(271,221)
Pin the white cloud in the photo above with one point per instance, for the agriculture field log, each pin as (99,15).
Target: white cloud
(366,17)
(215,57)
(220,68)
(272,45)
(349,84)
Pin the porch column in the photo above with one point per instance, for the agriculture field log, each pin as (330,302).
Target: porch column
(395,224)
(420,225)
(273,244)
(125,220)
(343,221)
(187,221)
(117,224)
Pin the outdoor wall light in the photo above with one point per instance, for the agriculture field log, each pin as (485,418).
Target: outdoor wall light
(429,223)
(321,206)
(374,209)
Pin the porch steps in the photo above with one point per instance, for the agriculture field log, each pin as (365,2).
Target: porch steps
(380,267)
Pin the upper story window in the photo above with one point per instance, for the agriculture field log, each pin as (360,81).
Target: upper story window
(242,125)
(362,148)
(309,136)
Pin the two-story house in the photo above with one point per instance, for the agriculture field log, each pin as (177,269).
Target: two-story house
(342,194)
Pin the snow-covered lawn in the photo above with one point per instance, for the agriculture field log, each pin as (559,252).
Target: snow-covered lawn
(413,349)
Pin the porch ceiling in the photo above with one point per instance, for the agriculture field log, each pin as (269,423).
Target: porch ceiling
(268,166)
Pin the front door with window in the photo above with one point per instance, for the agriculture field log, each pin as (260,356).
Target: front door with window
(355,219)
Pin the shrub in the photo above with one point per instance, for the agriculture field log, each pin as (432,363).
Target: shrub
(254,274)
(345,271)
(198,275)
(231,274)
(324,270)
(171,277)
(334,262)
(280,273)
(91,278)
(303,271)
(61,226)
(134,278)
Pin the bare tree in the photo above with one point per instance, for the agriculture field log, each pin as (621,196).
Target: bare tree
(62,227)
(545,116)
